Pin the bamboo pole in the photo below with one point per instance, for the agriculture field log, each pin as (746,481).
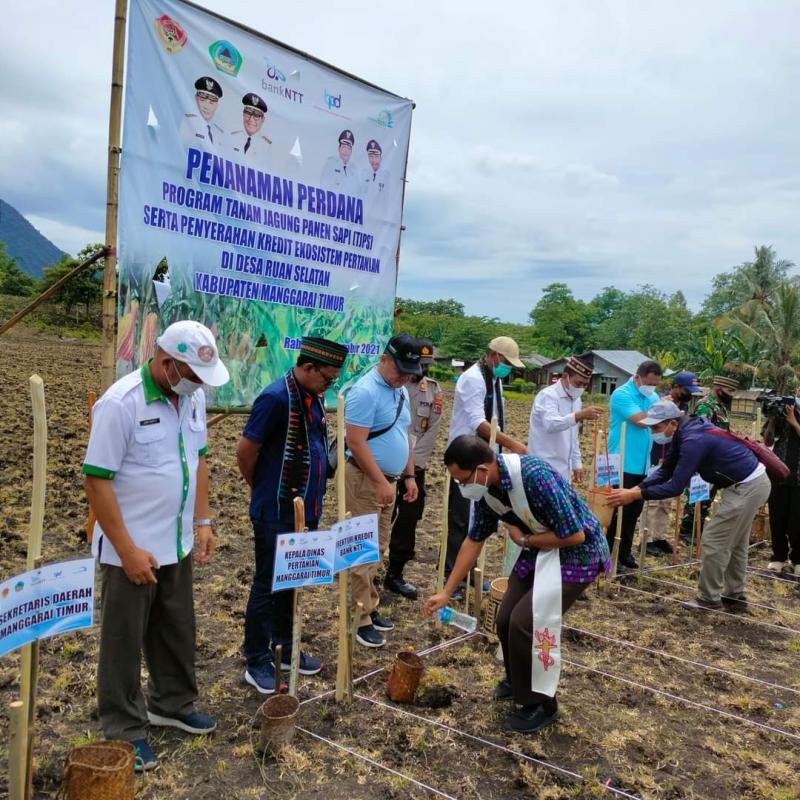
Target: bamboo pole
(108,347)
(92,517)
(51,290)
(618,537)
(16,751)
(297,621)
(595,443)
(481,568)
(698,526)
(677,528)
(642,536)
(344,663)
(30,652)
(443,535)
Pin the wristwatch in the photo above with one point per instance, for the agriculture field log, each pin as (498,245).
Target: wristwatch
(199,523)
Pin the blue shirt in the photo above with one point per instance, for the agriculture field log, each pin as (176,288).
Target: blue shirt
(695,448)
(625,402)
(372,403)
(268,425)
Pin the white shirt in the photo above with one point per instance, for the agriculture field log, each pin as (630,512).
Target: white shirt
(196,132)
(468,410)
(150,451)
(259,153)
(553,432)
(340,177)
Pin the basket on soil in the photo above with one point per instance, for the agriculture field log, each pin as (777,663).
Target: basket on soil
(278,715)
(404,678)
(497,589)
(100,771)
(596,500)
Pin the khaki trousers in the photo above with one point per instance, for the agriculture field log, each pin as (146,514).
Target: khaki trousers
(656,519)
(360,499)
(726,539)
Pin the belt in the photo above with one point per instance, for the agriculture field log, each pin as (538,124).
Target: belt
(390,478)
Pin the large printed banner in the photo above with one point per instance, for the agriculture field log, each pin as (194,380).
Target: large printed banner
(263,193)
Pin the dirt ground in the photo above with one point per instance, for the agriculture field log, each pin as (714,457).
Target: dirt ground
(613,731)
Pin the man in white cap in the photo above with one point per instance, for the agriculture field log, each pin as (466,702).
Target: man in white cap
(147,482)
(478,398)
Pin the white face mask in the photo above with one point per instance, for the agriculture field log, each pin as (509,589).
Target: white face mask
(661,438)
(647,391)
(574,391)
(184,386)
(474,491)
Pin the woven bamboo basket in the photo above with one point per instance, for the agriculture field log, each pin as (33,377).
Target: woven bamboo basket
(404,678)
(496,592)
(100,771)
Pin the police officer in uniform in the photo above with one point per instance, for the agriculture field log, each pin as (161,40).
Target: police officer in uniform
(339,174)
(199,130)
(375,180)
(250,145)
(426,416)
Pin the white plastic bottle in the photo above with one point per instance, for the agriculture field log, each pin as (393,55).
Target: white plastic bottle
(457,618)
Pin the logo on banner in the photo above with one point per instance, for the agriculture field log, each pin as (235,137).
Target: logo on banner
(384,119)
(333,101)
(273,73)
(226,57)
(275,82)
(170,34)
(545,642)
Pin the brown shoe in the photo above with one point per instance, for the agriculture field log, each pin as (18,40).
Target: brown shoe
(704,605)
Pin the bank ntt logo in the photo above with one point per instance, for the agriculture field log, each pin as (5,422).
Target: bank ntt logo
(273,73)
(384,119)
(276,82)
(226,57)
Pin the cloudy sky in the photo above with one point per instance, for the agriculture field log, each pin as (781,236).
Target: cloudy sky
(590,142)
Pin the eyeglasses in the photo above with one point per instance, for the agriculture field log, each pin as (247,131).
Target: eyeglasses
(329,379)
(469,480)
(254,113)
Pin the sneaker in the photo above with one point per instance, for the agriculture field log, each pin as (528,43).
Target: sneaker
(145,758)
(704,605)
(776,567)
(530,719)
(368,636)
(381,623)
(308,664)
(262,677)
(503,690)
(193,722)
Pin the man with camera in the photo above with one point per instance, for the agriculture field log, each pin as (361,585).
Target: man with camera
(781,431)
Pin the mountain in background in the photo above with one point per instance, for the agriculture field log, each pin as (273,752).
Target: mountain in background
(33,251)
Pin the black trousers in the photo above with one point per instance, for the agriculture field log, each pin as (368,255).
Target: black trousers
(404,530)
(515,631)
(630,515)
(457,525)
(784,523)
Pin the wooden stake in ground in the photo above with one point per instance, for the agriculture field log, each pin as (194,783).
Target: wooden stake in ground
(478,579)
(642,536)
(344,663)
(297,622)
(677,528)
(443,535)
(618,537)
(16,751)
(92,517)
(698,527)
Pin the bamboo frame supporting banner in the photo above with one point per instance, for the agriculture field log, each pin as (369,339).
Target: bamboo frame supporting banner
(443,535)
(344,661)
(91,517)
(618,535)
(297,621)
(16,751)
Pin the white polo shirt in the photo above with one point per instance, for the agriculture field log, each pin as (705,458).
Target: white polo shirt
(468,410)
(553,431)
(151,453)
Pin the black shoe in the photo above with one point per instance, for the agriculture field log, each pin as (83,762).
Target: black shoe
(369,637)
(652,550)
(503,690)
(704,605)
(381,623)
(530,719)
(736,605)
(396,584)
(628,561)
(663,545)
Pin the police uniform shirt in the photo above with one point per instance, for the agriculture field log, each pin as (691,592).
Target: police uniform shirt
(258,152)
(340,176)
(425,398)
(196,132)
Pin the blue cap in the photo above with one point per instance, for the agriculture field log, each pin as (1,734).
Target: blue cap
(687,380)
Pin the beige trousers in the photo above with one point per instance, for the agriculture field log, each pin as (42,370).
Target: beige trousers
(656,519)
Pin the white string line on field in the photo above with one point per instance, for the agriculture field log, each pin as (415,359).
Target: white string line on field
(490,743)
(740,617)
(680,699)
(377,764)
(744,602)
(764,573)
(427,651)
(660,653)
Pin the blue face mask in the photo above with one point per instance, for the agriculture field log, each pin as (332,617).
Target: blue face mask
(661,438)
(501,370)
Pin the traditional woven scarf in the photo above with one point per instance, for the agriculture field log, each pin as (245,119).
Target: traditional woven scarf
(296,465)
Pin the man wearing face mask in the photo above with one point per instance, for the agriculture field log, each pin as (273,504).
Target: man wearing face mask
(147,482)
(478,398)
(629,404)
(716,406)
(380,455)
(283,454)
(555,416)
(425,400)
(724,463)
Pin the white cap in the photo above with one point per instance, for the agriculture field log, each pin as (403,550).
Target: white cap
(507,347)
(194,344)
